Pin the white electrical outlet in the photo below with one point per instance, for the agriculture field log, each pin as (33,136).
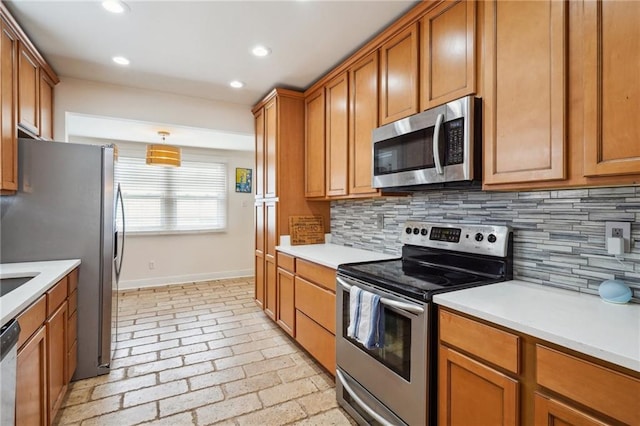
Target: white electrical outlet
(152,264)
(616,230)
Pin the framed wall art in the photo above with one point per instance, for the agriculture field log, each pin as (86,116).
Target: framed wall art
(243,180)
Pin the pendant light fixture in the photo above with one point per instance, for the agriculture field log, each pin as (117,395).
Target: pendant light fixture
(163,154)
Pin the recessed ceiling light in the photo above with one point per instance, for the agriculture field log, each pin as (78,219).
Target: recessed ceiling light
(115,6)
(121,60)
(261,51)
(236,84)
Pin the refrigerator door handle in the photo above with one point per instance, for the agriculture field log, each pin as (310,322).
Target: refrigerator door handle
(119,258)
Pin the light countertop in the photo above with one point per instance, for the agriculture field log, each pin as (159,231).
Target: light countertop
(582,322)
(46,275)
(332,255)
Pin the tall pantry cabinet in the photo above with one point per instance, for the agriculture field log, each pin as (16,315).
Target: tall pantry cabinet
(279,180)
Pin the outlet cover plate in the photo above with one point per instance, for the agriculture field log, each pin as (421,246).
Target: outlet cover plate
(626,233)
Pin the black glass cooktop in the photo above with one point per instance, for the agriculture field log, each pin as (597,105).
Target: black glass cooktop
(421,275)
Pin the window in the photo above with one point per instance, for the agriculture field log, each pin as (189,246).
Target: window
(192,197)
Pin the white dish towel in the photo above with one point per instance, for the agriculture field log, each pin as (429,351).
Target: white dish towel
(365,318)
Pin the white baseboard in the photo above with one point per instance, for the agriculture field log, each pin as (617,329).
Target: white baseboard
(181,279)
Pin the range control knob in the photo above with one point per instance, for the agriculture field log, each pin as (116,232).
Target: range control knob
(424,231)
(491,238)
(416,231)
(408,230)
(479,237)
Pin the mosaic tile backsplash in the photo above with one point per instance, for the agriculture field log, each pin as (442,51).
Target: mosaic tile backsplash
(558,235)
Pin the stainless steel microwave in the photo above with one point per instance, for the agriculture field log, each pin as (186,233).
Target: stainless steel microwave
(438,147)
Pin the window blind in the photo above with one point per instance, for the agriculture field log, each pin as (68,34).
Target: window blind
(192,197)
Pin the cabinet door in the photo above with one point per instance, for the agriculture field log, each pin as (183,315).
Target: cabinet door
(270,148)
(8,102)
(399,76)
(57,361)
(46,107)
(286,309)
(259,254)
(31,381)
(525,97)
(260,159)
(448,66)
(611,88)
(314,153)
(549,412)
(271,233)
(363,118)
(469,390)
(337,134)
(28,91)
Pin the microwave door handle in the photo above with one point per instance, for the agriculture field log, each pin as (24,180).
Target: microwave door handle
(436,144)
(393,303)
(360,402)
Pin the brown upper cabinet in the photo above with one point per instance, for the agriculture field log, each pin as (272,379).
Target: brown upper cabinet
(560,105)
(314,145)
(26,96)
(447,53)
(8,103)
(525,93)
(611,88)
(363,118)
(337,135)
(381,84)
(28,91)
(340,117)
(46,106)
(399,76)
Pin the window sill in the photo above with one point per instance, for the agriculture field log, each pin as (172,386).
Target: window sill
(186,232)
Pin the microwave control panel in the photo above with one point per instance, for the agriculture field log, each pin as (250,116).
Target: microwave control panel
(454,133)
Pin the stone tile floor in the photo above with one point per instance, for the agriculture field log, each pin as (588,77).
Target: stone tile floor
(201,354)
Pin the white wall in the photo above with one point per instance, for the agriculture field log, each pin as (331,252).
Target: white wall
(196,257)
(186,257)
(89,97)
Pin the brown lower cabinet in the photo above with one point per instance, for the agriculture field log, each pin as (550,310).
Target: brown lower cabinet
(31,381)
(286,311)
(504,377)
(306,307)
(47,356)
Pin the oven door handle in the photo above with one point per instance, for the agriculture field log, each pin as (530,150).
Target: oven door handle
(389,302)
(360,402)
(436,144)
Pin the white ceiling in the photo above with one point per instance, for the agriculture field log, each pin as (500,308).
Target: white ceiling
(196,48)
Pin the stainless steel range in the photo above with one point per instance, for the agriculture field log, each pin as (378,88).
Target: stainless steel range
(395,383)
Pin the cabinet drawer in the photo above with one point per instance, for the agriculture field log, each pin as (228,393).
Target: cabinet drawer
(319,274)
(73,302)
(317,341)
(286,262)
(73,280)
(493,345)
(31,319)
(56,295)
(317,303)
(607,391)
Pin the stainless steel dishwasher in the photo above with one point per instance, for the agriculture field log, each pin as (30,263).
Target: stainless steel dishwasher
(8,348)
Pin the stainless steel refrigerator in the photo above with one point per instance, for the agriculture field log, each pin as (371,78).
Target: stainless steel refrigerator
(67,207)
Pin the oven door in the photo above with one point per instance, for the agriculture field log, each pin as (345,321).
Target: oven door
(387,383)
